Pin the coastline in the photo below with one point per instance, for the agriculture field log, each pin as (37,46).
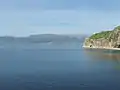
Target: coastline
(105,48)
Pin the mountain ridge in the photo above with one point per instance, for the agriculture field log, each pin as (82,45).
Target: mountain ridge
(43,38)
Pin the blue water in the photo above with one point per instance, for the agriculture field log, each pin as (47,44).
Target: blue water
(59,69)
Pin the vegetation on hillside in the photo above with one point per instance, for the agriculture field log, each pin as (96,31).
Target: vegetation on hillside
(117,28)
(103,34)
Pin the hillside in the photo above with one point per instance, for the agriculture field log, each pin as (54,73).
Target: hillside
(42,38)
(104,39)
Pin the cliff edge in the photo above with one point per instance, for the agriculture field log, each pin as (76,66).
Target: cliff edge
(104,39)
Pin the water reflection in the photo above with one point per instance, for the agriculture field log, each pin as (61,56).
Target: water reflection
(113,56)
(103,54)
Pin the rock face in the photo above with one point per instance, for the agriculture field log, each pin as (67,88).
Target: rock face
(105,39)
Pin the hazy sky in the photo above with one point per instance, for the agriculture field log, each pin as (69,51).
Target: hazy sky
(24,17)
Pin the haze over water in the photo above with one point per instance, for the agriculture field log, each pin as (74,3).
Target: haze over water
(61,68)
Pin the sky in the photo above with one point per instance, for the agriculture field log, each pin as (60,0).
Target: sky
(26,17)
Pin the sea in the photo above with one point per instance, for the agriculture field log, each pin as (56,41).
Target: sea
(58,67)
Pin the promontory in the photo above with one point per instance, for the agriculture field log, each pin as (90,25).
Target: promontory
(104,40)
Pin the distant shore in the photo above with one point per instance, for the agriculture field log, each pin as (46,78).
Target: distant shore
(86,47)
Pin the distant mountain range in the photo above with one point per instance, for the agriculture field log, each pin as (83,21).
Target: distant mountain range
(43,38)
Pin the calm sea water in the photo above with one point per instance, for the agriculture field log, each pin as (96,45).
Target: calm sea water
(59,69)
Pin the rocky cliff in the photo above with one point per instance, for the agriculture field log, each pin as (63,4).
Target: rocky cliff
(104,39)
